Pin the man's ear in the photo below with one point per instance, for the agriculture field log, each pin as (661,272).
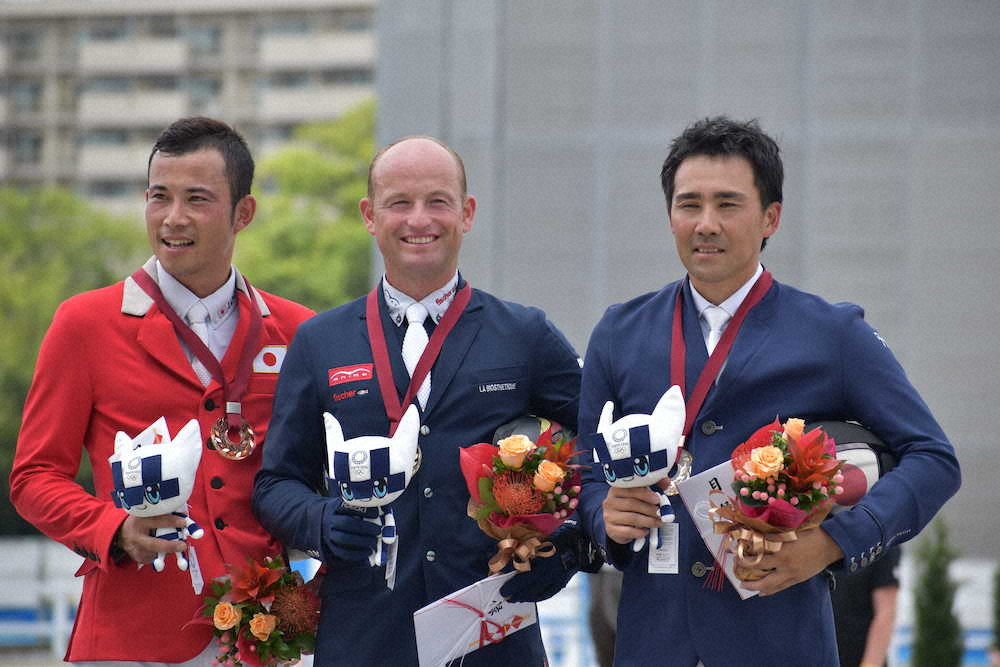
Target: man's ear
(468,213)
(246,208)
(367,209)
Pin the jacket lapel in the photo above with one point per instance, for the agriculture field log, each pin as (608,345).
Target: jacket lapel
(454,350)
(756,329)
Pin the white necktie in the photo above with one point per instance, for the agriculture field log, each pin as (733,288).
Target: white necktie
(716,318)
(197,317)
(414,343)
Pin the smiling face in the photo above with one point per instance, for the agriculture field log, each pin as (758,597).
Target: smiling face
(190,220)
(418,215)
(718,223)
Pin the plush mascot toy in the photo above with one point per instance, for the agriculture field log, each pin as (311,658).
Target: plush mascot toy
(371,471)
(640,450)
(153,475)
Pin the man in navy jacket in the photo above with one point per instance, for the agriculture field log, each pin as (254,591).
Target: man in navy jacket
(794,355)
(500,361)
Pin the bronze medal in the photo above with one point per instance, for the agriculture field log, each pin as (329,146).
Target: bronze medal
(234,451)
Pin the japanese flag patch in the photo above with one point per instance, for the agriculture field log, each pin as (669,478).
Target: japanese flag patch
(269,359)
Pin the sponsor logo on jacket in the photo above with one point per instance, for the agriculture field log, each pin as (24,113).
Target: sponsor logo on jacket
(354,373)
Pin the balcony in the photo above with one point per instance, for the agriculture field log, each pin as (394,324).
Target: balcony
(99,162)
(307,104)
(150,108)
(325,51)
(136,56)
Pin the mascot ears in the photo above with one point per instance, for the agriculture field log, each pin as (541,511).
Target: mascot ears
(406,434)
(667,418)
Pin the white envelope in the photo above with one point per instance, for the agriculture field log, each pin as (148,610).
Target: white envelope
(468,619)
(695,491)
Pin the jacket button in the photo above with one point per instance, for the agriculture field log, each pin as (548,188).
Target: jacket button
(217,483)
(708,427)
(209,404)
(430,556)
(219,523)
(208,443)
(428,492)
(698,569)
(425,430)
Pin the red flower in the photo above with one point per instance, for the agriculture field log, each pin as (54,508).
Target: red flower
(253,582)
(780,514)
(760,438)
(515,493)
(813,460)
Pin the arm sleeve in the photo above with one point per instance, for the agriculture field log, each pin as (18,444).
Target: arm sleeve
(287,495)
(596,389)
(555,375)
(878,394)
(51,442)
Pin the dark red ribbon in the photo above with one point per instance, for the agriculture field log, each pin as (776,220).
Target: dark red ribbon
(678,349)
(486,636)
(394,409)
(232,394)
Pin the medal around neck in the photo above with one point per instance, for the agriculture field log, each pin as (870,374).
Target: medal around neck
(640,450)
(372,471)
(154,475)
(234,451)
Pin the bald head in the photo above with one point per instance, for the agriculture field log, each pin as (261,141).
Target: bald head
(374,169)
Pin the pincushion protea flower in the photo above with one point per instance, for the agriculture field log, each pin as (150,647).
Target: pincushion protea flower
(515,493)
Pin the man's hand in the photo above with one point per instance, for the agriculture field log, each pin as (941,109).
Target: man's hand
(630,513)
(550,575)
(347,534)
(796,561)
(135,537)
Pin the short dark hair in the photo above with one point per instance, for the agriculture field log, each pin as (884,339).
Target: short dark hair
(195,133)
(722,136)
(463,186)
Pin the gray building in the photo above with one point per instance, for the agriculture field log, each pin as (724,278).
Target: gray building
(86,86)
(888,113)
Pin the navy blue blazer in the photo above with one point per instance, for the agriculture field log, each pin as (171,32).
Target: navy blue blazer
(795,356)
(502,360)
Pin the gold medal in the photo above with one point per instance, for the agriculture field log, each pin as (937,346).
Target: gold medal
(684,463)
(235,451)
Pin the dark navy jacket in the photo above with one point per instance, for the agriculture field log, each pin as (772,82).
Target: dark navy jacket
(795,356)
(501,361)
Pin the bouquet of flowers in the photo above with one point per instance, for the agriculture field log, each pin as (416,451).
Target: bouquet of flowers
(264,615)
(784,481)
(521,491)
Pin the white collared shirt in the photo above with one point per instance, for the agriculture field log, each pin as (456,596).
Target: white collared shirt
(730,305)
(436,302)
(223,315)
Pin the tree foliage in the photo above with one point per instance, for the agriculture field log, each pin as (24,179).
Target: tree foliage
(307,242)
(52,246)
(937,640)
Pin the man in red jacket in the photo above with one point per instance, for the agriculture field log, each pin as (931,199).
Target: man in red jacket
(185,337)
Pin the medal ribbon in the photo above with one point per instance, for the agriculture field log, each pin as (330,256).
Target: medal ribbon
(232,394)
(678,350)
(380,353)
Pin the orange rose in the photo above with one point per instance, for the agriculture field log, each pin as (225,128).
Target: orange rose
(794,428)
(548,475)
(262,625)
(225,616)
(765,462)
(514,449)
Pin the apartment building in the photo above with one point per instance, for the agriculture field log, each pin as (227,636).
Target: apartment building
(86,85)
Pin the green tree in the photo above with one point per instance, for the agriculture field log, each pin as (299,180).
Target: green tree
(937,634)
(307,242)
(52,245)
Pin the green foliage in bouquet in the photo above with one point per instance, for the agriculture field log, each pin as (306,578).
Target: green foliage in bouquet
(937,640)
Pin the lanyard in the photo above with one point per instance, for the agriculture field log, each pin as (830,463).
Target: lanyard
(719,355)
(380,353)
(232,394)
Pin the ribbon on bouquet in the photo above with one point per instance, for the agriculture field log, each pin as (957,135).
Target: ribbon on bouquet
(520,552)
